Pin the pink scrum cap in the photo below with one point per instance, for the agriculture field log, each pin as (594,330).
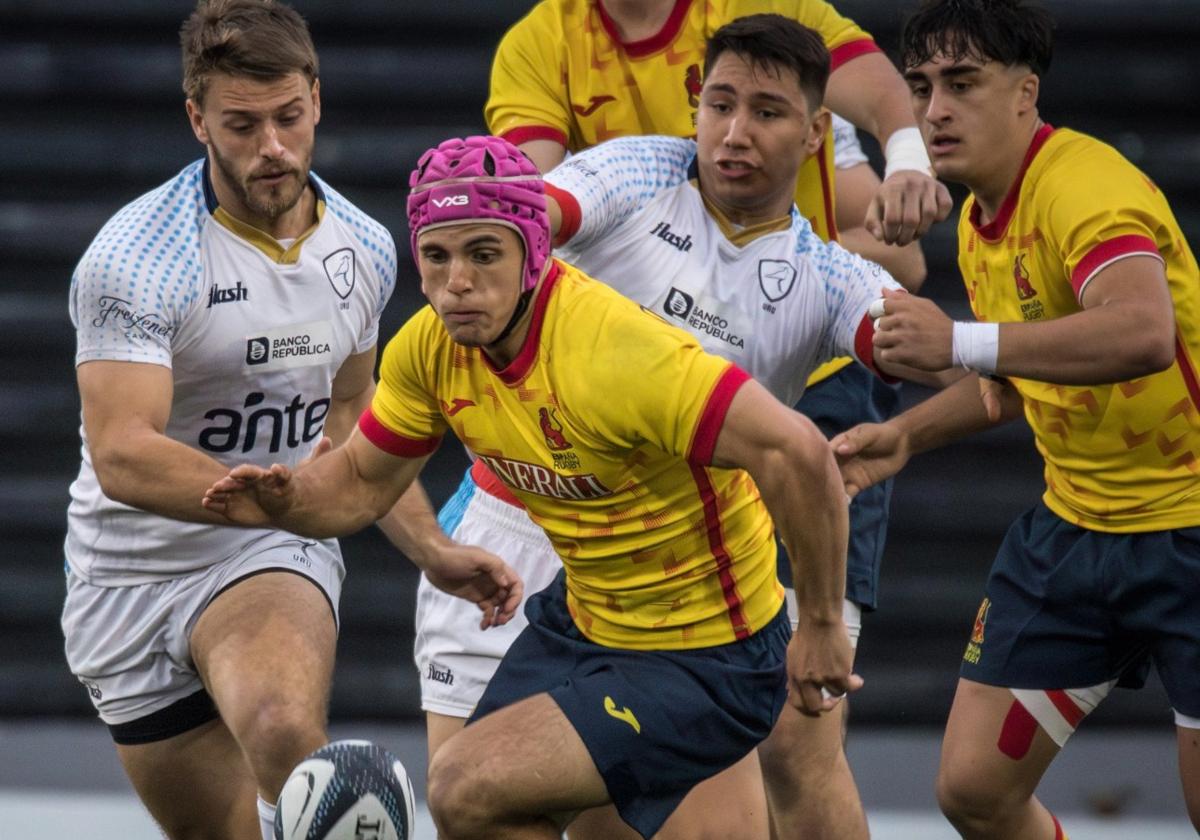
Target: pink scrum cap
(482,179)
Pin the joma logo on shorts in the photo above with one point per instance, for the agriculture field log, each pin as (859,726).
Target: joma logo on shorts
(434,674)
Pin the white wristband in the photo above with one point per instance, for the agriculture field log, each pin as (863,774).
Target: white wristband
(906,150)
(975,346)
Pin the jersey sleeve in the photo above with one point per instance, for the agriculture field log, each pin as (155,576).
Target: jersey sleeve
(851,283)
(601,187)
(678,398)
(404,417)
(845,39)
(126,309)
(847,150)
(1101,209)
(527,98)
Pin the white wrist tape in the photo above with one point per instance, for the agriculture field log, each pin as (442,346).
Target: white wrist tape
(906,150)
(975,346)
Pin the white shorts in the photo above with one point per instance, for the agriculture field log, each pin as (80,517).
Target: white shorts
(130,645)
(454,658)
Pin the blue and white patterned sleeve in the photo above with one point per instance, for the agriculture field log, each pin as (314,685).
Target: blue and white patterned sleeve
(140,277)
(609,182)
(851,283)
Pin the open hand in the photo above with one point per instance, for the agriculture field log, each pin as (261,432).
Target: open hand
(251,495)
(480,577)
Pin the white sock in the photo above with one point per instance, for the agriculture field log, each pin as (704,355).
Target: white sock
(266,819)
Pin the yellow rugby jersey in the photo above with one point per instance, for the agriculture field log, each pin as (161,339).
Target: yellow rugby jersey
(1119,457)
(603,427)
(563,74)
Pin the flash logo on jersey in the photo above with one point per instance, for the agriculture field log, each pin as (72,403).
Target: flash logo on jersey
(776,278)
(339,268)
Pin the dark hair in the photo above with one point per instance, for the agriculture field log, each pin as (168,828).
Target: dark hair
(259,38)
(1012,32)
(769,42)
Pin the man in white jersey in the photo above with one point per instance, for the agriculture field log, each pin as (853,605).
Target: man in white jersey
(229,315)
(705,235)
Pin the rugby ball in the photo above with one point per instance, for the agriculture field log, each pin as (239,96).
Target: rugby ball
(346,790)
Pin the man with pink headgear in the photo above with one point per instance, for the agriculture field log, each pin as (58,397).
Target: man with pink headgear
(657,657)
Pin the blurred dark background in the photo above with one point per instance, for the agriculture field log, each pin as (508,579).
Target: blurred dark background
(91,116)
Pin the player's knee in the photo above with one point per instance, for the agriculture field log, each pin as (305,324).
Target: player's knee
(458,796)
(968,802)
(276,736)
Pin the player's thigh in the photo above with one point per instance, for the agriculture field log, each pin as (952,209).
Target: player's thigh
(195,785)
(267,637)
(525,758)
(993,747)
(439,729)
(728,806)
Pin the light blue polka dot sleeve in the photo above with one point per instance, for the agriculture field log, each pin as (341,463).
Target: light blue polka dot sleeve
(141,275)
(612,180)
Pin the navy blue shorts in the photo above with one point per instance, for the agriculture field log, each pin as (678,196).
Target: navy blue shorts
(1069,607)
(656,723)
(851,396)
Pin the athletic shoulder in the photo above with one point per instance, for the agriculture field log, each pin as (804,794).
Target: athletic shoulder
(369,233)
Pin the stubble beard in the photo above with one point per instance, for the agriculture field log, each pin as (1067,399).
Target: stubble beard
(279,199)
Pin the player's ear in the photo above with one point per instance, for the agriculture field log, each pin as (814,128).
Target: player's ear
(316,100)
(196,120)
(1030,87)
(818,128)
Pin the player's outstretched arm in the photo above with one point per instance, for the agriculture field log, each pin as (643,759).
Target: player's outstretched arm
(872,452)
(1126,329)
(126,406)
(792,465)
(331,496)
(467,571)
(856,188)
(870,93)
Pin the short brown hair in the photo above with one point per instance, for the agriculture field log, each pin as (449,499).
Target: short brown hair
(259,38)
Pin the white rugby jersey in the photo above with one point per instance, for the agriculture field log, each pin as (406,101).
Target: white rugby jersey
(253,333)
(778,304)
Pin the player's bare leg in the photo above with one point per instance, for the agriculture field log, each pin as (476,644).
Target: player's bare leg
(810,788)
(439,729)
(993,757)
(1189,771)
(520,772)
(264,648)
(176,781)
(730,806)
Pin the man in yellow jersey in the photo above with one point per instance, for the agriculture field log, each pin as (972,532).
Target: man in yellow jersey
(657,659)
(1088,299)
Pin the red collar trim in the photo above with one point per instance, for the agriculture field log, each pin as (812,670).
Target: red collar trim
(994,230)
(646,46)
(519,367)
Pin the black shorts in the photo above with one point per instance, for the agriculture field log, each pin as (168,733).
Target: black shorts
(656,723)
(1068,607)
